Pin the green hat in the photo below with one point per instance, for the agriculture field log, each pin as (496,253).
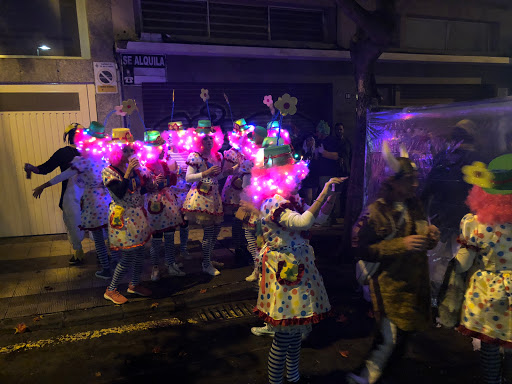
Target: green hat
(175,125)
(204,126)
(495,179)
(240,125)
(323,128)
(260,131)
(276,155)
(153,138)
(96,130)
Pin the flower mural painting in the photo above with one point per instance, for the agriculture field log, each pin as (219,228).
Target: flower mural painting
(119,110)
(286,104)
(204,95)
(129,106)
(478,174)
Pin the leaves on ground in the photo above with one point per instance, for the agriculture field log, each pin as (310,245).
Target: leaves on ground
(98,374)
(341,318)
(344,353)
(37,318)
(154,305)
(48,288)
(21,328)
(182,354)
(202,291)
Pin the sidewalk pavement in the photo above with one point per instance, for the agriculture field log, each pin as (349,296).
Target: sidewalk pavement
(37,282)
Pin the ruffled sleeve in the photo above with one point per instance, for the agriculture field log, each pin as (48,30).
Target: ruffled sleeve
(246,167)
(230,155)
(108,175)
(194,160)
(79,164)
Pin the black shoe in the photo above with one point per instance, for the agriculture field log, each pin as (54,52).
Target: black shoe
(104,274)
(74,261)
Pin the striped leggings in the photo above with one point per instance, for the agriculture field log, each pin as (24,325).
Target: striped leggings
(156,244)
(101,248)
(492,363)
(132,259)
(285,350)
(250,235)
(209,239)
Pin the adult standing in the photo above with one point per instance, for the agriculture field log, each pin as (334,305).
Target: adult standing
(393,231)
(71,193)
(327,153)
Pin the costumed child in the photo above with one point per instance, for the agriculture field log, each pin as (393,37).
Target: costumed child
(182,187)
(163,212)
(486,255)
(203,204)
(393,235)
(127,224)
(291,295)
(71,192)
(252,143)
(233,186)
(92,145)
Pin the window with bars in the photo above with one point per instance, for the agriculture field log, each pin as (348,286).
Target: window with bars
(215,20)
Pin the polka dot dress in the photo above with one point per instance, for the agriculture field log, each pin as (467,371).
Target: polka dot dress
(163,211)
(127,224)
(203,204)
(487,307)
(95,199)
(292,291)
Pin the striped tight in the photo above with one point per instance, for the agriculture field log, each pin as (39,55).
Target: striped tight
(132,258)
(237,233)
(209,240)
(184,238)
(490,360)
(101,248)
(250,235)
(285,350)
(169,248)
(154,251)
(156,244)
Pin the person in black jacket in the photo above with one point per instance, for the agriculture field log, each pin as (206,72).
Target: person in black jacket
(71,193)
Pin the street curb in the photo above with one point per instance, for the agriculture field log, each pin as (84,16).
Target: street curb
(165,306)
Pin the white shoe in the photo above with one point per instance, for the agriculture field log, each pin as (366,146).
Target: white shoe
(211,270)
(253,276)
(155,273)
(262,331)
(174,270)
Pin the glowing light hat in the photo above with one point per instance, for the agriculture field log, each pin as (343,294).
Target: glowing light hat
(240,125)
(69,128)
(495,179)
(153,138)
(204,126)
(96,130)
(122,135)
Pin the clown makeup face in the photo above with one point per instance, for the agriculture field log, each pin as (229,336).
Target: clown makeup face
(207,143)
(127,153)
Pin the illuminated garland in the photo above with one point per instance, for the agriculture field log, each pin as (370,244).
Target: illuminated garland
(282,180)
(88,145)
(191,141)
